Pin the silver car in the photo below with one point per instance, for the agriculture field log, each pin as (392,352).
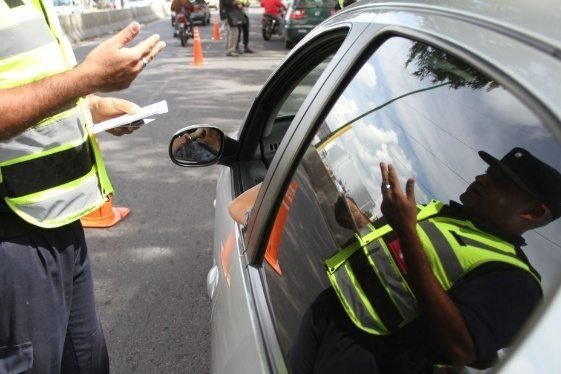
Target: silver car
(423,85)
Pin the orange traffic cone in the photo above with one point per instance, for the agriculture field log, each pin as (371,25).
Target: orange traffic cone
(216,29)
(105,216)
(197,48)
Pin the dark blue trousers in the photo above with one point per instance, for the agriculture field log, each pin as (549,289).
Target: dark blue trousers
(48,320)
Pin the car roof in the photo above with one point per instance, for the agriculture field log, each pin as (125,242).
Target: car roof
(540,20)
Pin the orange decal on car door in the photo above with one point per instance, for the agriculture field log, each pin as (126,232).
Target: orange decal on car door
(272,252)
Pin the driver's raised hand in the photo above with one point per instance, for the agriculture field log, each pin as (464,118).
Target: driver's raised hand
(398,206)
(113,65)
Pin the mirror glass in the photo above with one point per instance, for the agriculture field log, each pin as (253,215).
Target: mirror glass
(197,145)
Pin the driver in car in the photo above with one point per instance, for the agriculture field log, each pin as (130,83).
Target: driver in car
(431,285)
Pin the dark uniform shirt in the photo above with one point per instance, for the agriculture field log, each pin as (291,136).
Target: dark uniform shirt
(495,300)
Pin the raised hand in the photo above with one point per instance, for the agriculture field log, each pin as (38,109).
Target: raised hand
(113,66)
(399,208)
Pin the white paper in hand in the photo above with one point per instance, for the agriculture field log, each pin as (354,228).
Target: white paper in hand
(144,112)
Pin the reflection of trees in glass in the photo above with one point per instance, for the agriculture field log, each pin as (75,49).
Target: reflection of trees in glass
(439,66)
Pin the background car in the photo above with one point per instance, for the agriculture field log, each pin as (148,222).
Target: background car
(422,85)
(302,16)
(201,12)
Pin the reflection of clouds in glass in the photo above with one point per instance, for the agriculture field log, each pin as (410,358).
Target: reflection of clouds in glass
(342,112)
(367,76)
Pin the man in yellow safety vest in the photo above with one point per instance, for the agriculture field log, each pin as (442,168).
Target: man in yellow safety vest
(51,174)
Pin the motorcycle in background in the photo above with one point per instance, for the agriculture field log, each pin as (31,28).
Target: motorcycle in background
(271,25)
(184,28)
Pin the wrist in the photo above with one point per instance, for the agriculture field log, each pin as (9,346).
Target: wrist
(407,232)
(84,80)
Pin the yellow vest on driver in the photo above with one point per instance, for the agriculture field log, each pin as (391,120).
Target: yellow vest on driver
(369,279)
(52,173)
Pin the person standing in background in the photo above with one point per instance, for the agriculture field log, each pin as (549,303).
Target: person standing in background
(235,18)
(244,30)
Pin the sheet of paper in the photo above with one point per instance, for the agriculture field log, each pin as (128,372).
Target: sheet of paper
(144,112)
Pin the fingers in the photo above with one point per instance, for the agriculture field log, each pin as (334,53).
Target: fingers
(390,180)
(385,181)
(147,46)
(390,183)
(127,34)
(156,50)
(393,179)
(125,106)
(410,189)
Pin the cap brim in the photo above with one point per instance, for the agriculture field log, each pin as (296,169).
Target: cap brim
(492,161)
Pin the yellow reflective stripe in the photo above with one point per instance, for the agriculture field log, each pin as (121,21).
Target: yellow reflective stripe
(104,182)
(18,38)
(60,205)
(44,140)
(333,263)
(31,66)
(468,230)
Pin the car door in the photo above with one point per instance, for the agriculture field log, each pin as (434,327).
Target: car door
(240,335)
(418,102)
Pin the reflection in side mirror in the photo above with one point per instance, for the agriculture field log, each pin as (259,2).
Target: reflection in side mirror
(198,145)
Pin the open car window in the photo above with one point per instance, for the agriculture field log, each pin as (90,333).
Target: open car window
(429,114)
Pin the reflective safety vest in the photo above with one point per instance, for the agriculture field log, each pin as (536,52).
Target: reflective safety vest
(52,173)
(369,278)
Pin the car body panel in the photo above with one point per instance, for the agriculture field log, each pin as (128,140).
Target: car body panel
(523,58)
(236,330)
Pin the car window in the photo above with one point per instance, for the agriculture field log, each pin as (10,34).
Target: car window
(295,99)
(429,114)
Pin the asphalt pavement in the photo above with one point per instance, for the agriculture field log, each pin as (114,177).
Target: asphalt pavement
(150,269)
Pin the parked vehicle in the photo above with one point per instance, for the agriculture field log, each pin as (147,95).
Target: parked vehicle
(184,28)
(302,16)
(201,12)
(271,25)
(424,85)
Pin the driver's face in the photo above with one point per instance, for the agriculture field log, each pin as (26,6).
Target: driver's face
(494,198)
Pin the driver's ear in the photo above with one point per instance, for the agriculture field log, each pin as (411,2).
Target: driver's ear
(538,215)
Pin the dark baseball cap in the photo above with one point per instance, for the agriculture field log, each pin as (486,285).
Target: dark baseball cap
(531,175)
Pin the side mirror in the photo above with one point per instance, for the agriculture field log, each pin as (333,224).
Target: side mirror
(198,145)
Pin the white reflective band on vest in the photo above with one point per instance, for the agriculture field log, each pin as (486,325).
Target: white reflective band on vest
(42,138)
(20,38)
(56,207)
(377,297)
